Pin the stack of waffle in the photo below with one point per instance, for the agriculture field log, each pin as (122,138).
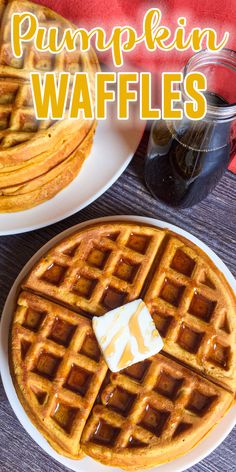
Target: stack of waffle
(152,411)
(38,158)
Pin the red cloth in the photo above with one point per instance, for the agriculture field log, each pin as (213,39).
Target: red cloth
(108,13)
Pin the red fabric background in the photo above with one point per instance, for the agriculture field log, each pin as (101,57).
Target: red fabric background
(218,14)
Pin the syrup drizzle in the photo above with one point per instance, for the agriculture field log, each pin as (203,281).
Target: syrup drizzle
(136,331)
(115,319)
(126,358)
(110,349)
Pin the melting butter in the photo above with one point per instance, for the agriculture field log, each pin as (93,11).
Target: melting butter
(127,335)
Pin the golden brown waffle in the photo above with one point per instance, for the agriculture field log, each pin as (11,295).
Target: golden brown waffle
(194,310)
(161,408)
(34,183)
(32,59)
(151,413)
(17,116)
(193,306)
(38,190)
(98,269)
(44,162)
(18,123)
(31,148)
(57,370)
(191,303)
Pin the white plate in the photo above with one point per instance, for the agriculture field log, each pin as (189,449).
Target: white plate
(198,453)
(114,146)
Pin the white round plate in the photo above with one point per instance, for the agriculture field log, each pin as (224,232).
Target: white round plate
(114,146)
(206,446)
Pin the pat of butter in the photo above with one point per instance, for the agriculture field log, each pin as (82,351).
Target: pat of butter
(127,335)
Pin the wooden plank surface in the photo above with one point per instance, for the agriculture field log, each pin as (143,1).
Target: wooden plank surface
(213,221)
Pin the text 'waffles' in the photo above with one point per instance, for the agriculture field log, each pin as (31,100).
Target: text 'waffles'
(52,94)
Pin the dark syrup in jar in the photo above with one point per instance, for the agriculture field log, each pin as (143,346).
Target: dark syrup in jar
(183,166)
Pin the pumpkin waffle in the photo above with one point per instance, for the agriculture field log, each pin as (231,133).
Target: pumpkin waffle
(97,269)
(154,411)
(38,190)
(44,163)
(151,413)
(193,307)
(21,135)
(194,310)
(57,370)
(38,158)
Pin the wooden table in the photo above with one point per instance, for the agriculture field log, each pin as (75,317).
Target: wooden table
(213,221)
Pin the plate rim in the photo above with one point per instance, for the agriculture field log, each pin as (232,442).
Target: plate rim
(188,460)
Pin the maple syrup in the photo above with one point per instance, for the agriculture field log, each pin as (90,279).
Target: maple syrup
(187,163)
(186,158)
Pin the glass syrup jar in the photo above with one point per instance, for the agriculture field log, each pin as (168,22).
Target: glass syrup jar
(185,158)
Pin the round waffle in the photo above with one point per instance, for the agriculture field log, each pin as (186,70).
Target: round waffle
(59,408)
(36,191)
(37,157)
(153,411)
(21,135)
(44,162)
